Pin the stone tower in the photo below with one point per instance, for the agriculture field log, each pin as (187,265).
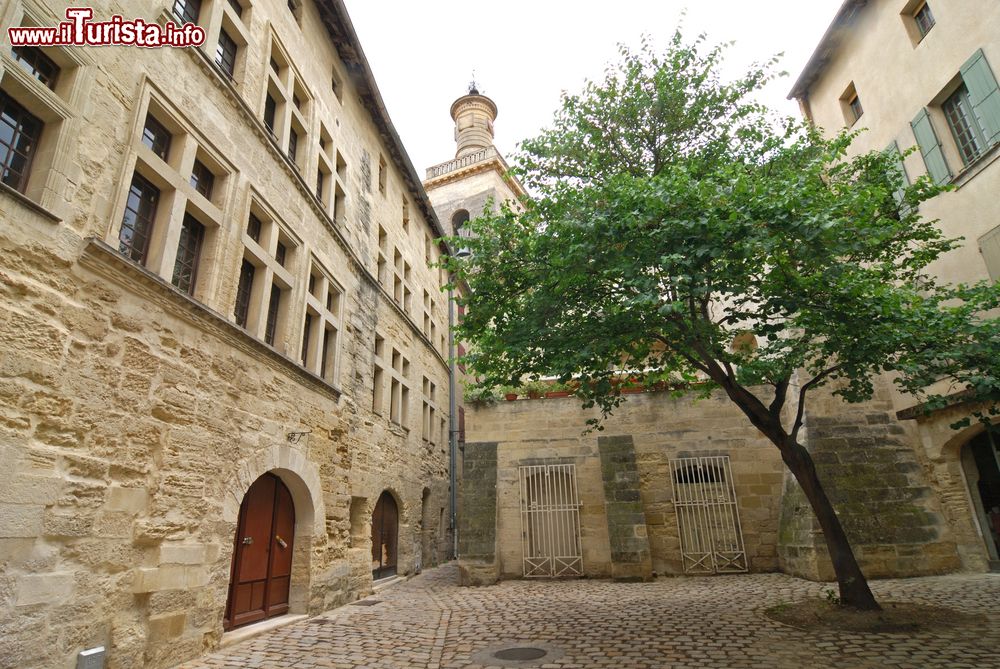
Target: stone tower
(474,115)
(460,188)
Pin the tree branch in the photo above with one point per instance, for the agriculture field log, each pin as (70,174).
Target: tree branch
(802,398)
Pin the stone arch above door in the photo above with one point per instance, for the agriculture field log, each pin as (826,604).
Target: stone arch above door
(296,471)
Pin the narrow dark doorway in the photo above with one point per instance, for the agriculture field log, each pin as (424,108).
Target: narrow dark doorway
(981,462)
(262,556)
(385,531)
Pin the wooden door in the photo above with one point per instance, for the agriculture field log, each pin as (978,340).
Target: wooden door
(385,529)
(262,557)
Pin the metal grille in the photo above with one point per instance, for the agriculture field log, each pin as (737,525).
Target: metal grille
(707,515)
(550,521)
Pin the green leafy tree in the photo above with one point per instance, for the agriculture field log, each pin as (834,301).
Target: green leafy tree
(671,217)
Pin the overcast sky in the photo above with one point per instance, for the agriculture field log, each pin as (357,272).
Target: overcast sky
(525,53)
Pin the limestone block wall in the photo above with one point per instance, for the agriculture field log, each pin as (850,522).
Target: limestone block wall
(134,417)
(661,428)
(877,481)
(477,524)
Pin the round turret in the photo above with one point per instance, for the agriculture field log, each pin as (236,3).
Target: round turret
(474,115)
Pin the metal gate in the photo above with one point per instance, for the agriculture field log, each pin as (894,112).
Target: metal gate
(707,516)
(550,521)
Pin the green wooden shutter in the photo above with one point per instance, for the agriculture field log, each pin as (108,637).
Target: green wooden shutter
(989,246)
(930,147)
(984,95)
(893,151)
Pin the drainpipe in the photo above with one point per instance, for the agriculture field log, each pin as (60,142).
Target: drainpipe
(452,423)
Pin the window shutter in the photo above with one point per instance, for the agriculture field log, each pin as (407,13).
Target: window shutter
(989,246)
(893,151)
(930,147)
(984,95)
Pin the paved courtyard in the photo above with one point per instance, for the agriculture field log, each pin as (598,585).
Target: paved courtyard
(681,623)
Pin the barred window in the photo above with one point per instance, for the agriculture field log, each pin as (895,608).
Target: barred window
(20,132)
(243,291)
(253,228)
(187,11)
(156,137)
(37,64)
(225,54)
(272,314)
(137,224)
(202,179)
(188,254)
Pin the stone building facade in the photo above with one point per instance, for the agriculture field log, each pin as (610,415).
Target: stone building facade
(216,279)
(924,74)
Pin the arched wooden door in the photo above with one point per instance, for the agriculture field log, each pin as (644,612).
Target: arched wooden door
(262,557)
(385,533)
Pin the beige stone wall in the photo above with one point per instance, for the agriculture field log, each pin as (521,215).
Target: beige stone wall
(896,75)
(133,417)
(662,428)
(895,78)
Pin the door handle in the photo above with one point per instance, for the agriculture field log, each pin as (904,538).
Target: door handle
(247,541)
(281,542)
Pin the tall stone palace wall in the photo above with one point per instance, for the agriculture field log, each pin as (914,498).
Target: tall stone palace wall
(137,409)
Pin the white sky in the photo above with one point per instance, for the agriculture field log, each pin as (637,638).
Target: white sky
(525,53)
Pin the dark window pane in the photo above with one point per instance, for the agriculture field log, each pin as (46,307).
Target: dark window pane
(225,54)
(36,63)
(19,135)
(269,109)
(293,145)
(202,179)
(319,184)
(137,223)
(305,337)
(279,254)
(188,253)
(243,292)
(156,137)
(924,19)
(274,66)
(856,108)
(237,7)
(272,314)
(253,228)
(187,11)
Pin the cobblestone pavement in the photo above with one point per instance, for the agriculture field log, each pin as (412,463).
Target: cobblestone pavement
(678,623)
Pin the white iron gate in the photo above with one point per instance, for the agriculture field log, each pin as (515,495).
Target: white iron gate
(707,516)
(550,521)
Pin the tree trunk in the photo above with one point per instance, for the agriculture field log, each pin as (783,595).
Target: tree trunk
(854,590)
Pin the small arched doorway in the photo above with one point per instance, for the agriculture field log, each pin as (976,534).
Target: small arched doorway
(260,576)
(385,537)
(981,464)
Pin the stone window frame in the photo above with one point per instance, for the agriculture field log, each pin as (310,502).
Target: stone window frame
(54,162)
(323,322)
(379,366)
(399,389)
(431,413)
(402,282)
(178,197)
(285,86)
(270,272)
(382,258)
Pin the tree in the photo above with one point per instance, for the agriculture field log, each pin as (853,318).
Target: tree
(672,215)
